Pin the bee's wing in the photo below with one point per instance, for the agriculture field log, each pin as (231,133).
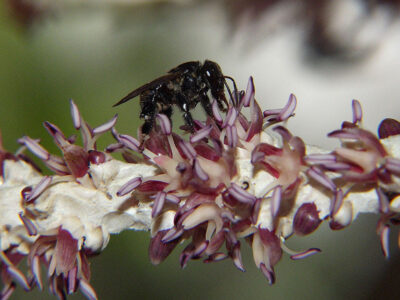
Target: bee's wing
(147,86)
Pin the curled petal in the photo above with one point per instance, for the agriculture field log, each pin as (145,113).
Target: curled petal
(39,188)
(106,126)
(231,135)
(305,254)
(87,289)
(384,235)
(289,108)
(18,276)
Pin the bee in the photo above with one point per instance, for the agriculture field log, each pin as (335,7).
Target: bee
(184,86)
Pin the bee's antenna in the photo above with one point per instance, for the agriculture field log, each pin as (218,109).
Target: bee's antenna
(234,99)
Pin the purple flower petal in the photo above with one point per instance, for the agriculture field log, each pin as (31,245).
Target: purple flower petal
(231,136)
(305,254)
(230,117)
(250,91)
(289,108)
(240,194)
(39,188)
(129,186)
(76,116)
(35,268)
(336,203)
(269,274)
(276,200)
(201,134)
(319,176)
(165,124)
(357,111)
(35,148)
(87,289)
(29,226)
(106,126)
(199,171)
(393,165)
(172,198)
(172,234)
(158,204)
(129,142)
(215,110)
(18,276)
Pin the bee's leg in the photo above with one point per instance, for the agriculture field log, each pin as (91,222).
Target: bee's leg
(181,99)
(148,113)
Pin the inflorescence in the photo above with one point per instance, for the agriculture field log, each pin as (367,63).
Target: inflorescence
(236,178)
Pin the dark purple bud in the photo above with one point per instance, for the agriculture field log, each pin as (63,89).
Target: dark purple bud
(388,127)
(158,250)
(96,157)
(306,219)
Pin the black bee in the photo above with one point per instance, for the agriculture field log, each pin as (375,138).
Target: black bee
(185,86)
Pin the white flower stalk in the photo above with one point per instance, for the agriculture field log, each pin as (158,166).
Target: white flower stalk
(234,178)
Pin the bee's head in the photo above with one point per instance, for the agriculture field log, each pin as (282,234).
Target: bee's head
(212,74)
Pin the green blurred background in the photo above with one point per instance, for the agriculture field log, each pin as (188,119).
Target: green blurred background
(95,54)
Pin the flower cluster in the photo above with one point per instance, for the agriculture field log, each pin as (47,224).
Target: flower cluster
(241,176)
